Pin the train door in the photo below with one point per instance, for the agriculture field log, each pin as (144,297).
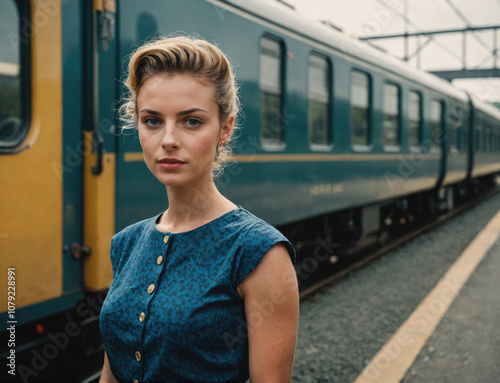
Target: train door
(99,165)
(38,223)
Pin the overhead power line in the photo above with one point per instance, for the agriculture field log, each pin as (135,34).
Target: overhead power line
(406,20)
(468,28)
(467,23)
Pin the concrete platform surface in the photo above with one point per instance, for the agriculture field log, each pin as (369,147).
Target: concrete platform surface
(465,347)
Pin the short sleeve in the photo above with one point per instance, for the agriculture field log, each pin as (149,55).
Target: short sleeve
(117,244)
(253,248)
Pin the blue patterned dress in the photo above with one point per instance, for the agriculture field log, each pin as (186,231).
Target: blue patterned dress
(173,313)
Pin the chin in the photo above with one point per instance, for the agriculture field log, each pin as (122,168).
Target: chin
(172,181)
(177,181)
(178,178)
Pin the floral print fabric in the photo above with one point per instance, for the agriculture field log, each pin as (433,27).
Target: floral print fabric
(173,313)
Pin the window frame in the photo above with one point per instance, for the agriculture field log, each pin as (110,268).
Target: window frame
(459,134)
(329,106)
(478,133)
(273,146)
(397,147)
(497,137)
(437,147)
(13,147)
(466,134)
(487,135)
(416,148)
(369,112)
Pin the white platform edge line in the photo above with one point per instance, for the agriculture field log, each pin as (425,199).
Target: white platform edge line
(392,361)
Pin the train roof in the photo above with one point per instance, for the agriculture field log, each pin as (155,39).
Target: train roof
(486,107)
(289,19)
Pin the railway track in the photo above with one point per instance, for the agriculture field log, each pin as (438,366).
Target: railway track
(392,245)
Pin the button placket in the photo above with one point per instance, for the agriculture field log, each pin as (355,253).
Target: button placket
(151,289)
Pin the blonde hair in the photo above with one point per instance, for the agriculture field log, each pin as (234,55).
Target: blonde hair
(184,55)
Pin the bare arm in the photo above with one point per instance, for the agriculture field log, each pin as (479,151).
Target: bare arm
(272,310)
(106,374)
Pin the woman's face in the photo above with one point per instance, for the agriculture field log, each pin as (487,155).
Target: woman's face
(179,128)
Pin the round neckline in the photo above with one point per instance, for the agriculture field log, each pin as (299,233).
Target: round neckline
(238,208)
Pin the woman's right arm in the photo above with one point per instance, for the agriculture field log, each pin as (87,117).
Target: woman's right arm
(106,374)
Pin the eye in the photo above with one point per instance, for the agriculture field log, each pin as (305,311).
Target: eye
(152,121)
(192,122)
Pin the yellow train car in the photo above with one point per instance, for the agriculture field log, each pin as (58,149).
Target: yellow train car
(56,186)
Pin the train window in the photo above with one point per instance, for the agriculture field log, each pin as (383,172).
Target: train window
(466,132)
(484,132)
(436,124)
(392,113)
(319,100)
(271,88)
(493,136)
(12,131)
(479,133)
(360,108)
(454,127)
(494,133)
(491,139)
(466,137)
(487,136)
(497,138)
(415,119)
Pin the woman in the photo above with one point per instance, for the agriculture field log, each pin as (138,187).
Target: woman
(205,291)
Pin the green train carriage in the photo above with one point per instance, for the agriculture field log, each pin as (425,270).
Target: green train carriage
(334,135)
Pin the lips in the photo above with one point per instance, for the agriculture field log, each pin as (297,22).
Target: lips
(171,163)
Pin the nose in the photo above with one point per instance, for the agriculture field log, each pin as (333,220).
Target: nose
(170,139)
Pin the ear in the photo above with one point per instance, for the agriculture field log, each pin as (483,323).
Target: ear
(227,129)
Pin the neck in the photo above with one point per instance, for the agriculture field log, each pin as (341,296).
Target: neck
(191,207)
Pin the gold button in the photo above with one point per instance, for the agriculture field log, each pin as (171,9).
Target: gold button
(165,239)
(151,288)
(138,356)
(136,381)
(142,316)
(159,260)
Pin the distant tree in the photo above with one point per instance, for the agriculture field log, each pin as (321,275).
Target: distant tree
(497,104)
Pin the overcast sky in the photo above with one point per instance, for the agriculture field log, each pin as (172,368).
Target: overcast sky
(382,17)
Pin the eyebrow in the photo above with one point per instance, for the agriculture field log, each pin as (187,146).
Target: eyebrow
(189,111)
(149,111)
(183,113)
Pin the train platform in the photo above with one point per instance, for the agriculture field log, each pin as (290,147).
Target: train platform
(428,312)
(465,346)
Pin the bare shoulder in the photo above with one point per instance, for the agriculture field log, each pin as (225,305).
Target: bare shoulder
(273,275)
(271,300)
